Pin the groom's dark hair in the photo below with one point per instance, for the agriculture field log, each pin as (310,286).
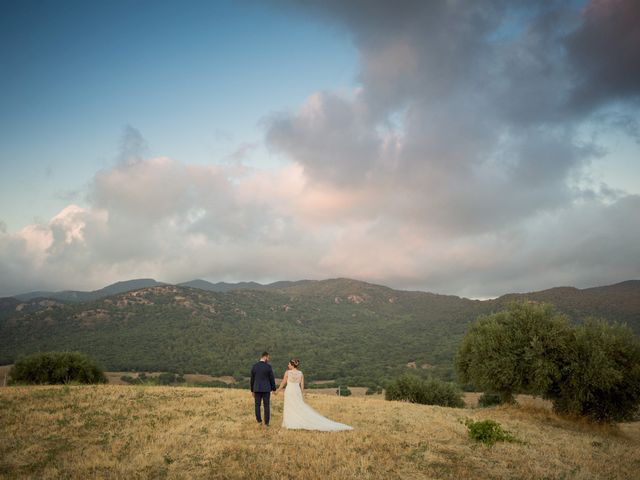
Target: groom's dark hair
(264,354)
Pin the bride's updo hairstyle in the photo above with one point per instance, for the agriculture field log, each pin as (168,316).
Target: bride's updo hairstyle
(294,362)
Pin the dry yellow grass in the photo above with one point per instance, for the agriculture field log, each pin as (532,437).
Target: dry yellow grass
(112,431)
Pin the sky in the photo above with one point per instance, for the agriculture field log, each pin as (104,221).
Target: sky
(469,147)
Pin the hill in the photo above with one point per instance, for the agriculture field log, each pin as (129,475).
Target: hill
(79,296)
(221,286)
(620,302)
(350,331)
(111,431)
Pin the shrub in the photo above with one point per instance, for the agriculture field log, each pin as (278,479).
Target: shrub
(489,399)
(487,432)
(427,392)
(373,390)
(56,368)
(165,378)
(129,379)
(343,391)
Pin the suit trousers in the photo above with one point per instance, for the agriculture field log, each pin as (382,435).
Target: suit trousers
(263,397)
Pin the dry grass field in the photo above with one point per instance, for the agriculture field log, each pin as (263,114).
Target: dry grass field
(128,432)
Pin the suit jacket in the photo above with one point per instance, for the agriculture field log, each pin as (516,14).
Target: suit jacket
(262,378)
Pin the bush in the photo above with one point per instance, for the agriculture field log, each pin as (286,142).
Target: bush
(427,392)
(487,432)
(373,390)
(129,379)
(343,391)
(489,400)
(56,368)
(165,378)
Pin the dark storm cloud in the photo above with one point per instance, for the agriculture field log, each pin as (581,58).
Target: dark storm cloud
(604,52)
(449,114)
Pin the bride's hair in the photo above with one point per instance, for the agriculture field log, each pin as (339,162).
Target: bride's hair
(295,362)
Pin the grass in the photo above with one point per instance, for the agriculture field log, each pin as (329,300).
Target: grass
(113,431)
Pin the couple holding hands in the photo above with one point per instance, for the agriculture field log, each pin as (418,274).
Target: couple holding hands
(296,413)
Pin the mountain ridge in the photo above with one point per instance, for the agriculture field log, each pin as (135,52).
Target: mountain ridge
(135,284)
(344,329)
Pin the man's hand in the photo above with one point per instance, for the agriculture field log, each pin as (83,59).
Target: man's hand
(253,394)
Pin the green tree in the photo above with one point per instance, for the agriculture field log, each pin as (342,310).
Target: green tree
(516,350)
(592,370)
(601,374)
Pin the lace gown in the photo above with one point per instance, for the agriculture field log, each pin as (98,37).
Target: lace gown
(299,415)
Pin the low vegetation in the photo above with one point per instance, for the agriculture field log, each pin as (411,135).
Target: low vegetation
(488,399)
(590,370)
(487,431)
(123,431)
(56,367)
(164,378)
(426,392)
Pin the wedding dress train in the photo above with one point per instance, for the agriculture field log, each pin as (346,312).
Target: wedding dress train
(298,415)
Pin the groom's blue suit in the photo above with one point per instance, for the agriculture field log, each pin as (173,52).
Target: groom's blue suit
(263,383)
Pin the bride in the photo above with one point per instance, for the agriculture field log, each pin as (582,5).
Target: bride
(297,414)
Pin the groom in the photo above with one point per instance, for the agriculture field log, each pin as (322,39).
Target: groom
(262,384)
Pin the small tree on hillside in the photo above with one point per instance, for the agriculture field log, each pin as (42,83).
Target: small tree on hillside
(517,350)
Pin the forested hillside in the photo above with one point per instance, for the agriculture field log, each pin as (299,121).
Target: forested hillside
(341,329)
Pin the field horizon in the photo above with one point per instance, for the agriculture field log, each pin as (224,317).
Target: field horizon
(114,431)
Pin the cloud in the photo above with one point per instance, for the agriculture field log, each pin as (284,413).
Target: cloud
(604,52)
(467,128)
(459,164)
(133,146)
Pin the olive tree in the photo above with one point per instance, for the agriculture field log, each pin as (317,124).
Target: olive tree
(513,351)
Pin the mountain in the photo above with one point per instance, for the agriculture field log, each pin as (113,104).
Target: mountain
(227,287)
(126,286)
(130,285)
(343,329)
(620,302)
(221,286)
(79,296)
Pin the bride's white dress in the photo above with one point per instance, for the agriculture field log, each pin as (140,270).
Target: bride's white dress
(299,415)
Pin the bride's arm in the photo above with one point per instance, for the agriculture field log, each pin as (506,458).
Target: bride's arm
(301,382)
(284,380)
